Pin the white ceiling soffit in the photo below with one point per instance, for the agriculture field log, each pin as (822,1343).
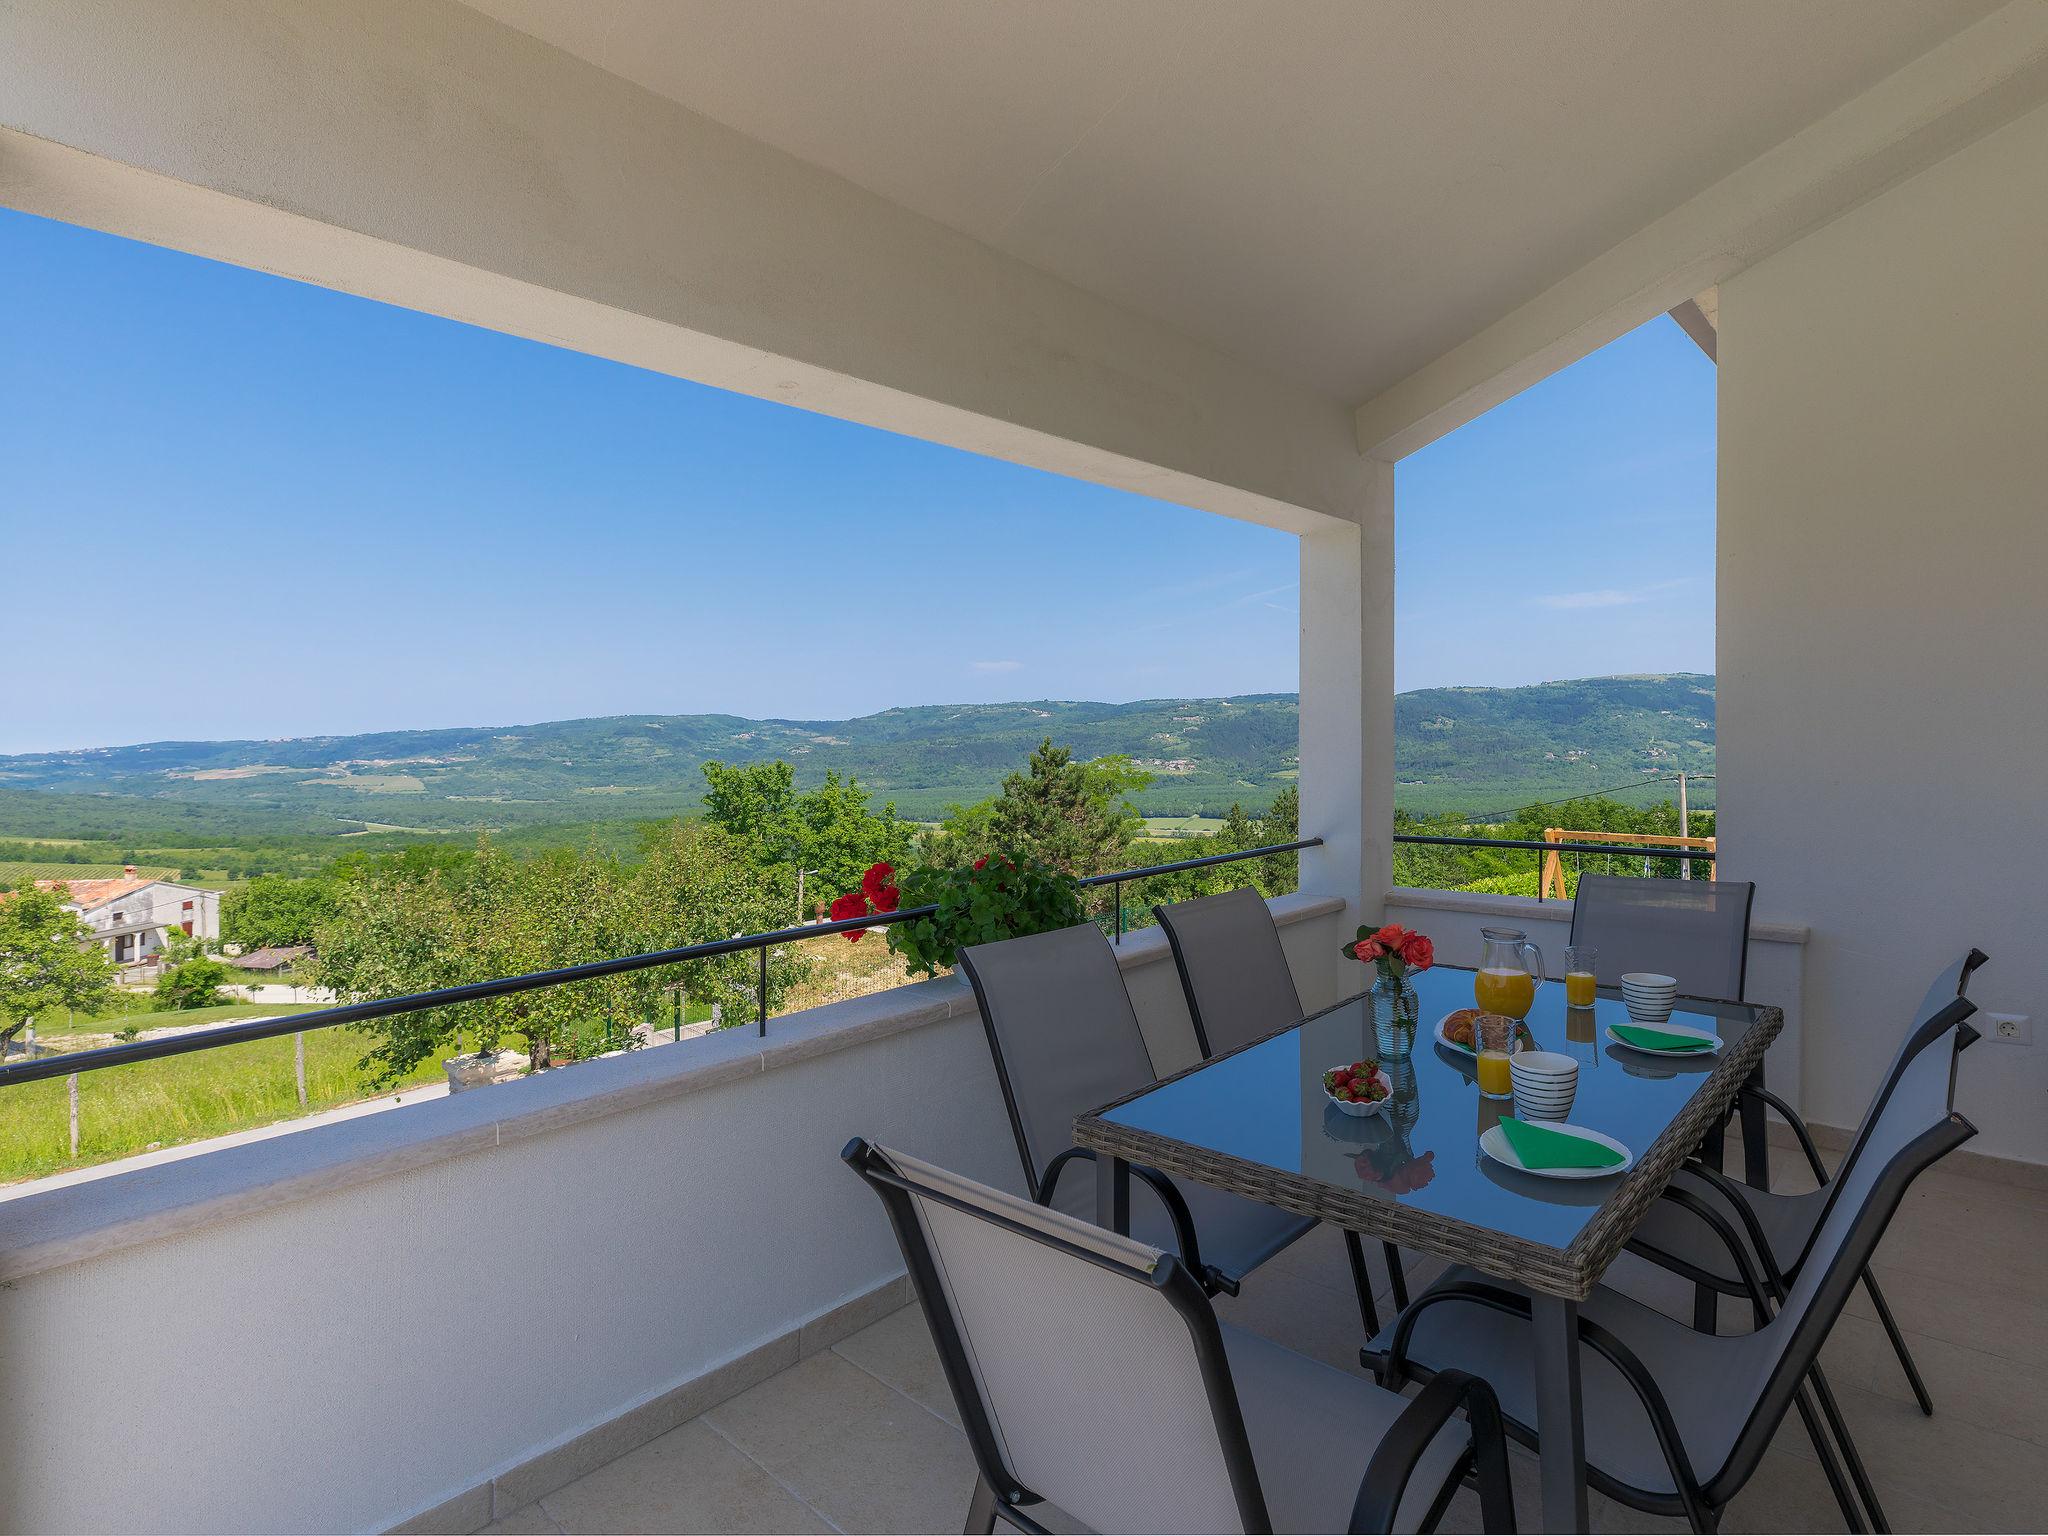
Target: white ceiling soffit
(1337,192)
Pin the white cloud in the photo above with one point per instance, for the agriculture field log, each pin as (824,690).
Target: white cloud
(998,666)
(1608,597)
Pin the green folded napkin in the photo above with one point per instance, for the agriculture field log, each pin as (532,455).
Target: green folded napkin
(1658,1039)
(1538,1146)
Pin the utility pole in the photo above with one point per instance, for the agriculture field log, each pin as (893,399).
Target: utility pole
(1684,828)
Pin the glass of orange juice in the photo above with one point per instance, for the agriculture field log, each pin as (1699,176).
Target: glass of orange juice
(1581,975)
(1493,1036)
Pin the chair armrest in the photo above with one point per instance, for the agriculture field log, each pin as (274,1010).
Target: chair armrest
(1176,1210)
(1393,1460)
(1760,1244)
(1594,1337)
(1790,1116)
(1714,1222)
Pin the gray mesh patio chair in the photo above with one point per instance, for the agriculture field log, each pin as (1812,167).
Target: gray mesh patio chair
(1239,989)
(1090,1372)
(1695,931)
(1780,1228)
(1066,1041)
(1676,1420)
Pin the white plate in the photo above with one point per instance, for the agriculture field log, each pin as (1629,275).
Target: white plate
(1713,1049)
(1493,1142)
(1466,1050)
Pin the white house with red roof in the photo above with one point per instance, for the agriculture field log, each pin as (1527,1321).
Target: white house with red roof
(130,913)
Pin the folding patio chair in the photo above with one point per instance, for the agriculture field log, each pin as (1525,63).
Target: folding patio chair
(1780,1228)
(1676,1420)
(1090,1372)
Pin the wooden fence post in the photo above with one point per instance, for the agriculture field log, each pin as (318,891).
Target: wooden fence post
(72,1083)
(299,1064)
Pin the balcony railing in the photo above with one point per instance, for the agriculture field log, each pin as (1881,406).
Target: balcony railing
(66,1064)
(1544,850)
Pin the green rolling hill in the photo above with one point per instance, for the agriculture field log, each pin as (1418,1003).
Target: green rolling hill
(1456,748)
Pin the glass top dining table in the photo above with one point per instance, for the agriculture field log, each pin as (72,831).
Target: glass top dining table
(1257,1123)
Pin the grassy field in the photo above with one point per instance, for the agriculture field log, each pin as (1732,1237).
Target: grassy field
(14,874)
(125,1110)
(57,1027)
(1167,827)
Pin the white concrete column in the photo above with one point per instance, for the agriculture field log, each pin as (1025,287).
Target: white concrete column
(1347,701)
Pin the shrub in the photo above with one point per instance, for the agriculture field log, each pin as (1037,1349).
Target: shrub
(994,898)
(194,984)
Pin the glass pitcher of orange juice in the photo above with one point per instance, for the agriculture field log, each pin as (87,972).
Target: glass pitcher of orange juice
(1509,969)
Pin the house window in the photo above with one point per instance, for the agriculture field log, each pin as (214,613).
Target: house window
(188,906)
(187,924)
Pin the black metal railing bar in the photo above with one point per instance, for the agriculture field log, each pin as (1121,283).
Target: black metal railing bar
(37,1068)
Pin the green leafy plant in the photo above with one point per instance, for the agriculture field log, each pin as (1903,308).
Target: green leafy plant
(994,898)
(196,983)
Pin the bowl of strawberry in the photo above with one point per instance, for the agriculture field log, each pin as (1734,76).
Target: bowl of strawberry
(1359,1089)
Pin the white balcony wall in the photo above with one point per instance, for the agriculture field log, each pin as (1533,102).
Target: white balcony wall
(459,1305)
(1883,703)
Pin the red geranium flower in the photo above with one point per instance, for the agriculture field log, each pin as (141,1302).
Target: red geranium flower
(887,899)
(878,875)
(852,904)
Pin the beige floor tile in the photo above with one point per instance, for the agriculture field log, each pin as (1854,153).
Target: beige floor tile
(1972,1474)
(899,1349)
(1318,1320)
(529,1520)
(1966,1384)
(862,1454)
(1963,1310)
(690,1479)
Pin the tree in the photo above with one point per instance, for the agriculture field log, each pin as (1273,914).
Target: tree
(1073,816)
(753,800)
(396,932)
(48,960)
(830,830)
(276,910)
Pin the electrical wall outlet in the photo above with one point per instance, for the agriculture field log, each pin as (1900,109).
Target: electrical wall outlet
(2011,1028)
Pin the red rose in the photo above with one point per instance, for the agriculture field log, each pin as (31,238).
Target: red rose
(1368,950)
(1417,952)
(887,898)
(871,883)
(1392,935)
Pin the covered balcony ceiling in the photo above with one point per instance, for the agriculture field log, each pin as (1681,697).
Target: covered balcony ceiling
(1337,193)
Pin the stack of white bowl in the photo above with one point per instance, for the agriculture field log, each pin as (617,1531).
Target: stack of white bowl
(1649,996)
(1545,1083)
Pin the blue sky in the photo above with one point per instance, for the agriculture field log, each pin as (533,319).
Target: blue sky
(235,505)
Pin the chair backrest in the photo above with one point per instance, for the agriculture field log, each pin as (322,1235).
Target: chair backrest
(1232,968)
(1696,931)
(1062,1031)
(1920,1036)
(1914,1127)
(1088,1368)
